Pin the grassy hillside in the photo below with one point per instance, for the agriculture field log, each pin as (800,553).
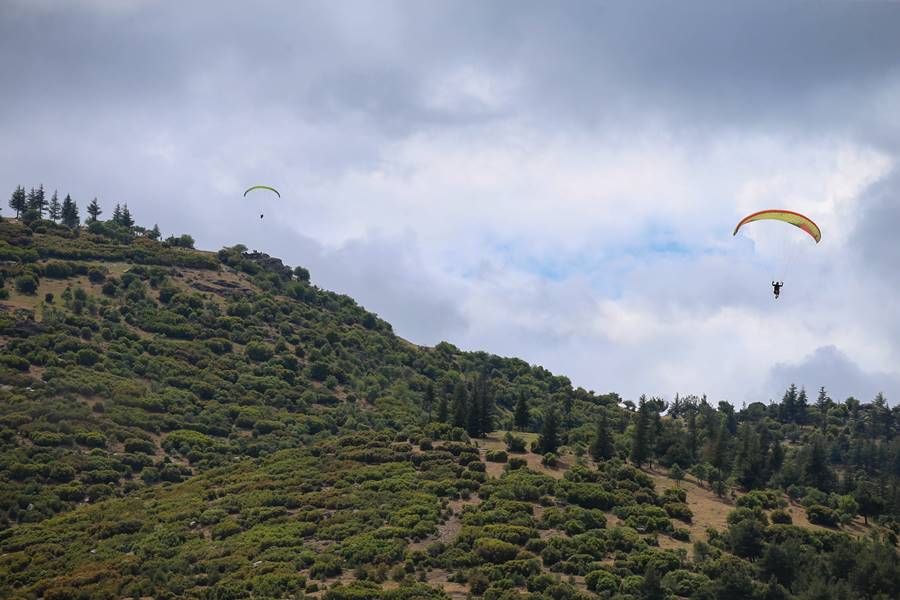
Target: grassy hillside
(177,423)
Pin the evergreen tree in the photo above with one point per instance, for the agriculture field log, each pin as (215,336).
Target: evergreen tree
(154,234)
(719,458)
(443,410)
(692,433)
(789,405)
(776,459)
(567,410)
(823,405)
(749,464)
(549,440)
(801,407)
(117,215)
(428,400)
(730,418)
(640,445)
(54,210)
(18,201)
(602,446)
(522,416)
(473,414)
(676,473)
(651,586)
(126,218)
(816,469)
(37,201)
(486,410)
(460,400)
(69,213)
(869,500)
(94,211)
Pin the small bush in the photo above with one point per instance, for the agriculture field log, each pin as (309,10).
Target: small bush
(781,517)
(516,463)
(822,515)
(497,456)
(514,443)
(26,284)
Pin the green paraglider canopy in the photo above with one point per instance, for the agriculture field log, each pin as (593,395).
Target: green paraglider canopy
(261,187)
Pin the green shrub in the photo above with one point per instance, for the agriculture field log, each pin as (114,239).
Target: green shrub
(685,583)
(14,362)
(781,517)
(602,582)
(497,456)
(26,284)
(679,510)
(822,515)
(494,550)
(514,443)
(516,463)
(259,352)
(87,357)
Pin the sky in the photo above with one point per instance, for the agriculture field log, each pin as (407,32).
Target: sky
(553,181)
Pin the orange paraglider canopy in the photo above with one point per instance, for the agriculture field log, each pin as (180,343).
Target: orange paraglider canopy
(788,216)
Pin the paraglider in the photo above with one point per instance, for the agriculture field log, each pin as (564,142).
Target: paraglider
(261,187)
(787,216)
(776,288)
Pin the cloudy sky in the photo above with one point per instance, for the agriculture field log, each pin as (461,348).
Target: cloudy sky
(554,181)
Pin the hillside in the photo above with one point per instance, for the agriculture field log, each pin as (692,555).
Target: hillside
(177,423)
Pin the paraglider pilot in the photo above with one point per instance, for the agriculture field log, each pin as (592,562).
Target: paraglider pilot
(776,286)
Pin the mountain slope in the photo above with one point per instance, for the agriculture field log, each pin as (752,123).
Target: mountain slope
(177,423)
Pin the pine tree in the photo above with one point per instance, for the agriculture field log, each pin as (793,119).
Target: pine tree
(651,586)
(37,201)
(428,400)
(117,215)
(816,469)
(567,410)
(640,445)
(549,440)
(823,405)
(460,400)
(692,432)
(486,410)
(30,200)
(69,213)
(719,458)
(776,459)
(677,474)
(789,405)
(602,446)
(749,463)
(443,410)
(54,210)
(127,220)
(870,501)
(522,416)
(94,211)
(802,405)
(473,414)
(18,201)
(154,234)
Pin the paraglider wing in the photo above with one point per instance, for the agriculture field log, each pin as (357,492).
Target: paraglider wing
(794,218)
(262,187)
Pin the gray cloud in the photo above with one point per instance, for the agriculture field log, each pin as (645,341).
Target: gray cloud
(412,140)
(831,368)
